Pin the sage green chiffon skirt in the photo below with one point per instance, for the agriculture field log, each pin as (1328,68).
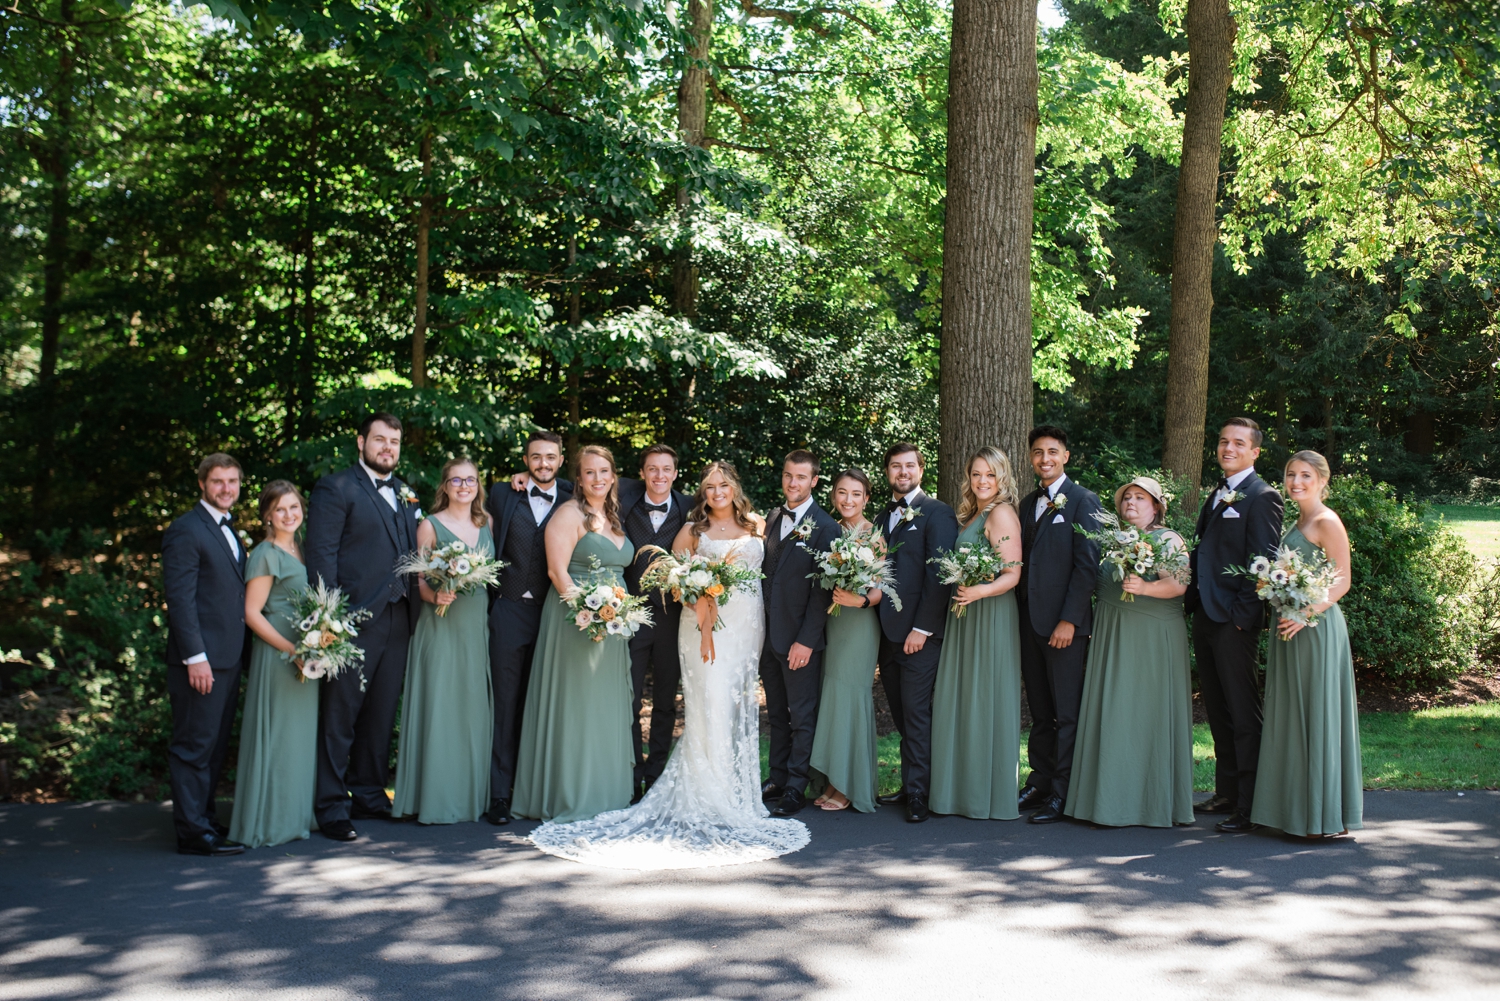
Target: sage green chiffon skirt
(843,748)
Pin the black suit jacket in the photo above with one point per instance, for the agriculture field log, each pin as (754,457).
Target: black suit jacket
(205,585)
(796,606)
(503,503)
(1254,529)
(354,540)
(924,598)
(633,492)
(1060,567)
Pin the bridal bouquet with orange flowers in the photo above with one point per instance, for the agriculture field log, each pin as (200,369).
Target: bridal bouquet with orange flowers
(692,577)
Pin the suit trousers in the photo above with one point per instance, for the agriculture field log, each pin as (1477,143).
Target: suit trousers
(792,709)
(1054,692)
(513,632)
(908,680)
(356,719)
(654,647)
(1228,658)
(199,746)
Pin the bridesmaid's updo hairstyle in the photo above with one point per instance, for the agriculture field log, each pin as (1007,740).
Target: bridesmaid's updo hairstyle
(1005,481)
(741,504)
(611,499)
(440,499)
(271,496)
(1317,462)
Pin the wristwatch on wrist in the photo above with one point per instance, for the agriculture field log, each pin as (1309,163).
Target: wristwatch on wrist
(867,602)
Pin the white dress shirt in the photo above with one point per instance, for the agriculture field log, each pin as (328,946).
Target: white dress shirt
(234,547)
(387,493)
(541,506)
(890,523)
(1044,500)
(789,523)
(657,517)
(1234,484)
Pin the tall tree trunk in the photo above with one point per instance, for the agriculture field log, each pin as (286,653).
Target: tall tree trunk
(985,378)
(1210,31)
(574,385)
(58,166)
(424,233)
(692,125)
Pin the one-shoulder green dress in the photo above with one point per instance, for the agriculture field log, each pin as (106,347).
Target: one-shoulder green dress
(575,759)
(1309,779)
(844,750)
(447,708)
(976,707)
(1133,756)
(273,789)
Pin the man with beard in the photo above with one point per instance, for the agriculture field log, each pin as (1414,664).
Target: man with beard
(361,521)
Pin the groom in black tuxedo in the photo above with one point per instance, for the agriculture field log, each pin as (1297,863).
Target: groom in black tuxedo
(653,512)
(1240,520)
(918,528)
(203,568)
(1055,602)
(360,522)
(519,519)
(791,661)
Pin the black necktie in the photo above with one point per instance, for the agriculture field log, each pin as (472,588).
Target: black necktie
(538,492)
(386,484)
(663,508)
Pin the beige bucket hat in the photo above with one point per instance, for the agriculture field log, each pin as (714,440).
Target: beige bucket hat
(1148,484)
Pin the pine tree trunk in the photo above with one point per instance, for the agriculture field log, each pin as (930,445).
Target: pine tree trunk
(424,235)
(1211,31)
(985,377)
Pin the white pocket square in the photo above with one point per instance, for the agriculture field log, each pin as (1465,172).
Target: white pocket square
(1230,512)
(1058,519)
(911,528)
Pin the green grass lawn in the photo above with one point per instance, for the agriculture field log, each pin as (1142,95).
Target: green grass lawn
(1479,527)
(1452,748)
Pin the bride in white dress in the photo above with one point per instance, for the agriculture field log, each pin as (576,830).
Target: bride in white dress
(705,810)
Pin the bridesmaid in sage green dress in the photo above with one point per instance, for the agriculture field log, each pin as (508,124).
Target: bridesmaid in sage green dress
(1310,782)
(1133,756)
(575,759)
(447,708)
(844,751)
(273,790)
(976,704)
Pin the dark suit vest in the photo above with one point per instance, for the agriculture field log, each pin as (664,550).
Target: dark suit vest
(638,530)
(525,555)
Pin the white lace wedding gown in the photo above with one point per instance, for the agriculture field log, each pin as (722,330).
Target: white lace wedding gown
(705,810)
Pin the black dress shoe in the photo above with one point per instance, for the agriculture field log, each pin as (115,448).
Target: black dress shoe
(1216,804)
(892,798)
(770,792)
(790,802)
(220,829)
(916,809)
(357,812)
(338,830)
(1237,823)
(1051,811)
(212,845)
(499,812)
(1032,798)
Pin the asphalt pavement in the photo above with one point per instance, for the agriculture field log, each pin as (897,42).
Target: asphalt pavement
(95,904)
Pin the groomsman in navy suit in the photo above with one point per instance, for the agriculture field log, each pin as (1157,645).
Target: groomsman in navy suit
(653,512)
(1240,520)
(1055,600)
(360,522)
(519,522)
(203,566)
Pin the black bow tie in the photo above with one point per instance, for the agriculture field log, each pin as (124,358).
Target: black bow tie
(663,507)
(788,512)
(389,483)
(538,492)
(896,505)
(226,521)
(1223,483)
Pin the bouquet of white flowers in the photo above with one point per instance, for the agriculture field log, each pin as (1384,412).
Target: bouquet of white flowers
(688,577)
(325,632)
(971,564)
(454,567)
(601,608)
(1291,583)
(857,562)
(1132,551)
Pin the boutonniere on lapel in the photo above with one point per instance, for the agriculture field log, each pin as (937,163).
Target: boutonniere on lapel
(245,539)
(908,515)
(804,531)
(1056,503)
(406,495)
(1233,497)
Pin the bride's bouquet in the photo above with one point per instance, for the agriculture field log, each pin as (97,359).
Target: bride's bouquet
(691,577)
(1291,583)
(970,565)
(857,562)
(325,633)
(453,567)
(1131,551)
(601,608)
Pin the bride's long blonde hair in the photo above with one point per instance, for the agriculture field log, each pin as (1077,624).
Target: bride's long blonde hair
(698,519)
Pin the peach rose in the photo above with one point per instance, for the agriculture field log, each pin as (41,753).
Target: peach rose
(714,590)
(328,639)
(621,593)
(607,613)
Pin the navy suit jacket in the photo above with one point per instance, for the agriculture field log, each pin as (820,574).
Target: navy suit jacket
(924,598)
(1225,541)
(205,585)
(1060,567)
(796,605)
(354,540)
